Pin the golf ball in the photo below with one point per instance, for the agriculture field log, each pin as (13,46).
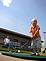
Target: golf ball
(18,50)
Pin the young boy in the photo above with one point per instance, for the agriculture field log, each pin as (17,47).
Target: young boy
(34,29)
(7,42)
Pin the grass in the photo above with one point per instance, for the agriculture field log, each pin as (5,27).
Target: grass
(15,50)
(21,51)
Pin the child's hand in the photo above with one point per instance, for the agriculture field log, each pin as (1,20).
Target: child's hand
(33,37)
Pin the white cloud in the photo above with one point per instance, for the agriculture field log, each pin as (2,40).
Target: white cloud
(6,3)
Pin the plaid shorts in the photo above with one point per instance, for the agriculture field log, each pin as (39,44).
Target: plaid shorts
(36,43)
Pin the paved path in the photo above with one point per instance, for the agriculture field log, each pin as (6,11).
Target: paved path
(7,58)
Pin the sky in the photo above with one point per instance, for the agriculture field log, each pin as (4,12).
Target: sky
(16,15)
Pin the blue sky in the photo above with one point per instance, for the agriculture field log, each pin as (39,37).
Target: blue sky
(16,15)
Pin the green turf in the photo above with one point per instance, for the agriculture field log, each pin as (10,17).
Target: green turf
(21,55)
(15,50)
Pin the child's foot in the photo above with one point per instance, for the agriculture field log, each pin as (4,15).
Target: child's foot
(37,54)
(33,54)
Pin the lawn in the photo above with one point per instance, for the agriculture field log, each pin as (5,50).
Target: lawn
(20,51)
(15,50)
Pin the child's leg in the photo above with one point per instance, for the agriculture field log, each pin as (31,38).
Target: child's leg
(38,44)
(34,46)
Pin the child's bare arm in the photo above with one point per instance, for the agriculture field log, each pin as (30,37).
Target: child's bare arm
(35,34)
(38,28)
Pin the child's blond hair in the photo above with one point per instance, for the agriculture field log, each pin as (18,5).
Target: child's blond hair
(34,19)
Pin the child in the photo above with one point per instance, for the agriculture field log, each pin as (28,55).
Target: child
(34,29)
(7,42)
